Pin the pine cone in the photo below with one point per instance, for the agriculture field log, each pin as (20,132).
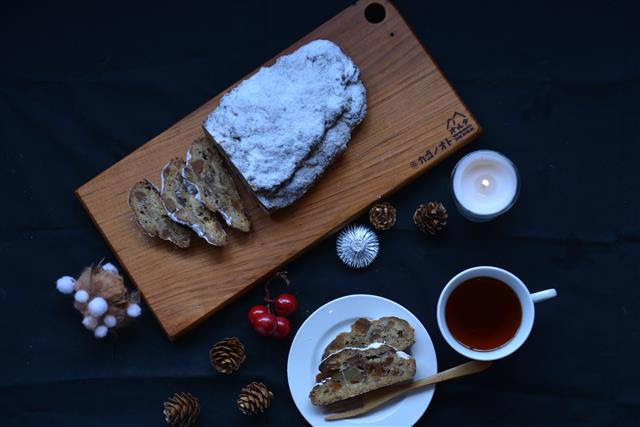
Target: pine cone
(254,399)
(181,410)
(430,218)
(382,216)
(227,355)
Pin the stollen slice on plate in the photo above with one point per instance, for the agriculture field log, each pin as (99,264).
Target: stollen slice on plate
(353,371)
(184,208)
(206,171)
(391,330)
(368,402)
(322,327)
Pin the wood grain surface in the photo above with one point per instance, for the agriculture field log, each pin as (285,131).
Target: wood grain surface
(415,119)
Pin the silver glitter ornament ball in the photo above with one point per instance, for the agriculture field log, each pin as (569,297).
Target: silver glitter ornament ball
(357,246)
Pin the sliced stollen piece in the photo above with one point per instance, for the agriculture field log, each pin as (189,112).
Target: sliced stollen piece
(390,330)
(184,208)
(214,186)
(282,127)
(341,356)
(152,217)
(354,371)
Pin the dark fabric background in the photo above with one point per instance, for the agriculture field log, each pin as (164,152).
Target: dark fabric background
(555,86)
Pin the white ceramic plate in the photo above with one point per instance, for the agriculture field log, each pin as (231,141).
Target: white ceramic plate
(323,326)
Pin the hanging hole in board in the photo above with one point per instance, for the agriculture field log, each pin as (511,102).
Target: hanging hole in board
(392,34)
(374,13)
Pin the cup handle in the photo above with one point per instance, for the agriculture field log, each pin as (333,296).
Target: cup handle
(543,295)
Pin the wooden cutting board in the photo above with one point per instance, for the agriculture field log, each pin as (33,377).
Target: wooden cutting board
(415,119)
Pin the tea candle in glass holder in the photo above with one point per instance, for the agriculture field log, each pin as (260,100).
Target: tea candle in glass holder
(485,184)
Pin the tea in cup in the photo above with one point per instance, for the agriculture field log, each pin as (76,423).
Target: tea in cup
(486,313)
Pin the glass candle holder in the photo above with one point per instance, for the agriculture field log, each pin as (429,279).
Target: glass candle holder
(484,184)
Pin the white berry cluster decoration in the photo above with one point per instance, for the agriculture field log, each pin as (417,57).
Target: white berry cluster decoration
(100,295)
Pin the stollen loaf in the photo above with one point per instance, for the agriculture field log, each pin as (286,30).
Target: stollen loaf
(282,127)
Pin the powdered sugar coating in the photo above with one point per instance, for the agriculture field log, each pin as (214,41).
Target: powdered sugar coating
(284,125)
(322,382)
(400,354)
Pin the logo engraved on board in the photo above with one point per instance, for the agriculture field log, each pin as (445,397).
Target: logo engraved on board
(458,126)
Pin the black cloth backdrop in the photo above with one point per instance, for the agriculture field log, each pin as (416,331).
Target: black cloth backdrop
(555,86)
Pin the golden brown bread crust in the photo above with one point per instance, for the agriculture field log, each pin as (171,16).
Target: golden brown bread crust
(184,208)
(352,372)
(206,170)
(146,204)
(390,330)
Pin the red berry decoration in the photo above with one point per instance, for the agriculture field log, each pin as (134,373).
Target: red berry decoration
(265,324)
(256,311)
(286,304)
(283,327)
(263,320)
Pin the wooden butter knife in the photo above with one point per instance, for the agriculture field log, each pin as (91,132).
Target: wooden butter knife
(369,401)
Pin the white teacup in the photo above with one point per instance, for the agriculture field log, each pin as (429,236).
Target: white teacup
(526,299)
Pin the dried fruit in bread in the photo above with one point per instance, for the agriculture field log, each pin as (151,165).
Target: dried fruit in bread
(214,186)
(390,330)
(184,208)
(152,217)
(353,371)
